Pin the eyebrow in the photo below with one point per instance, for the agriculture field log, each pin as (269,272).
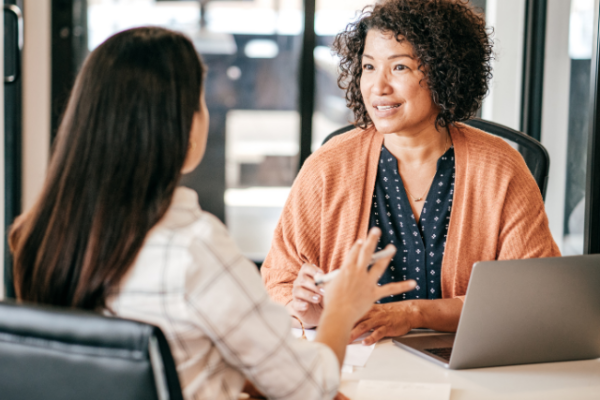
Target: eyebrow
(392,56)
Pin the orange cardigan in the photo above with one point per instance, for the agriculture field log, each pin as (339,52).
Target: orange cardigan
(498,212)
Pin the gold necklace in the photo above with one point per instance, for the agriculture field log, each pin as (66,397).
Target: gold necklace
(421,197)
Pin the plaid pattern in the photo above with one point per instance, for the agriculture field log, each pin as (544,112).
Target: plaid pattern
(191,281)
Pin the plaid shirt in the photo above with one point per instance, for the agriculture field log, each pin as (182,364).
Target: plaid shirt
(190,280)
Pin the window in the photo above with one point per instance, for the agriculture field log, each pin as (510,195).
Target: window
(566,113)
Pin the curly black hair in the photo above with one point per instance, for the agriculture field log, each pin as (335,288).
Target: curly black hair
(450,41)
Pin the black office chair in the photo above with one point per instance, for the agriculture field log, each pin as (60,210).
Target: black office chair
(56,354)
(534,153)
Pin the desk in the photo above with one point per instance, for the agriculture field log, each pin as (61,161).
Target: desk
(578,380)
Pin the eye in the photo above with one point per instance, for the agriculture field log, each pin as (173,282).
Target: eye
(367,67)
(400,67)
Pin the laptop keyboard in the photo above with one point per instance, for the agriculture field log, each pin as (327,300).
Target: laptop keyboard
(442,352)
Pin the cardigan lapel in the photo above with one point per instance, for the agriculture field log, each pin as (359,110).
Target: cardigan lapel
(373,141)
(456,228)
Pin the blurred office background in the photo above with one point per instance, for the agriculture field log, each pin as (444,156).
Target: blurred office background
(272,94)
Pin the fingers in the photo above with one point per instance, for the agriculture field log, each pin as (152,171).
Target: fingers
(366,252)
(379,267)
(361,328)
(309,270)
(306,280)
(299,305)
(309,285)
(396,288)
(306,295)
(375,336)
(352,256)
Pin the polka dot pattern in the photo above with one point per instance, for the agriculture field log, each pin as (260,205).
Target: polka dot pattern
(420,245)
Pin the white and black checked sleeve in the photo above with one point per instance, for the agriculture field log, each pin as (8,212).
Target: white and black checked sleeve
(226,298)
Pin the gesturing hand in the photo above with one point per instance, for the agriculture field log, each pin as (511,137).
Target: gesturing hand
(355,289)
(307,300)
(350,294)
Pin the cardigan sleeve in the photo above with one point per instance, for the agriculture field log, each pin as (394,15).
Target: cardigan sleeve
(524,230)
(498,211)
(296,239)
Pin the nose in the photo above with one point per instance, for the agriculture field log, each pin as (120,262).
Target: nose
(381,84)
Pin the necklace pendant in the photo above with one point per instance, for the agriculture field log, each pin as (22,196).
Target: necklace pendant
(419,199)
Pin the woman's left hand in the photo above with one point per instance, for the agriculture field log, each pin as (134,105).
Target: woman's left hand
(396,319)
(391,319)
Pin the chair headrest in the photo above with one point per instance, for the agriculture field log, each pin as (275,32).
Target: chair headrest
(73,326)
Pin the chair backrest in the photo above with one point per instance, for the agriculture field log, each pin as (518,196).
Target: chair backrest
(50,353)
(534,153)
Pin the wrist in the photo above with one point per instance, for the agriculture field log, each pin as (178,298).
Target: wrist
(299,320)
(341,316)
(415,314)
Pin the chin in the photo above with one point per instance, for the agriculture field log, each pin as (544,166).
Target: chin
(386,128)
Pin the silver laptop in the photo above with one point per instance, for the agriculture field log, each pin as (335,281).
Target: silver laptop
(521,312)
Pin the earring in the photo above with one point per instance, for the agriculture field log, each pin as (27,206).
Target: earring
(192,145)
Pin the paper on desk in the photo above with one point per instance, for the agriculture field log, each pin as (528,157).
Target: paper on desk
(356,354)
(391,390)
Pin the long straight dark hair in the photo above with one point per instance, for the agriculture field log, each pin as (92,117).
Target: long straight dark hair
(116,163)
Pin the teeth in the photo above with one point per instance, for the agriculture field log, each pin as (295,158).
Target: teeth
(383,108)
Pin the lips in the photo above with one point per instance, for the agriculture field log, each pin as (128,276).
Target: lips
(387,107)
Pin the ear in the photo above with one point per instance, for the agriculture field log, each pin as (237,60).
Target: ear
(197,141)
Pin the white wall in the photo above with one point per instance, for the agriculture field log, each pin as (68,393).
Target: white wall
(503,104)
(36,98)
(555,110)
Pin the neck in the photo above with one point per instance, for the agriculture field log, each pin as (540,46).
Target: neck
(420,146)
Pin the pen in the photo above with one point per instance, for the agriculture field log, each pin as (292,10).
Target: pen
(376,257)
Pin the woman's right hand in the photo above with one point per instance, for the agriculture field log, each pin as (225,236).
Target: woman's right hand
(307,300)
(352,293)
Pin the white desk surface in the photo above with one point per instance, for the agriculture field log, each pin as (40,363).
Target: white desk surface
(578,380)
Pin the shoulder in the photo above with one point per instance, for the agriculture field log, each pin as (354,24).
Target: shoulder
(209,241)
(492,153)
(210,232)
(342,149)
(338,165)
(341,158)
(186,225)
(213,256)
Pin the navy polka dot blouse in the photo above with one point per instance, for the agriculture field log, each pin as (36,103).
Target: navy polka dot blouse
(420,245)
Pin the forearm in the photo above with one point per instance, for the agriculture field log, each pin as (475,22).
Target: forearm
(440,315)
(334,331)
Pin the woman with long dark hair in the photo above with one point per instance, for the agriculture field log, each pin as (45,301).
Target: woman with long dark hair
(112,232)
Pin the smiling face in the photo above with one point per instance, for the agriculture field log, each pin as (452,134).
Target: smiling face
(393,89)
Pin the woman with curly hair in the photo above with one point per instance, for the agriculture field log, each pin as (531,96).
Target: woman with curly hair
(445,194)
